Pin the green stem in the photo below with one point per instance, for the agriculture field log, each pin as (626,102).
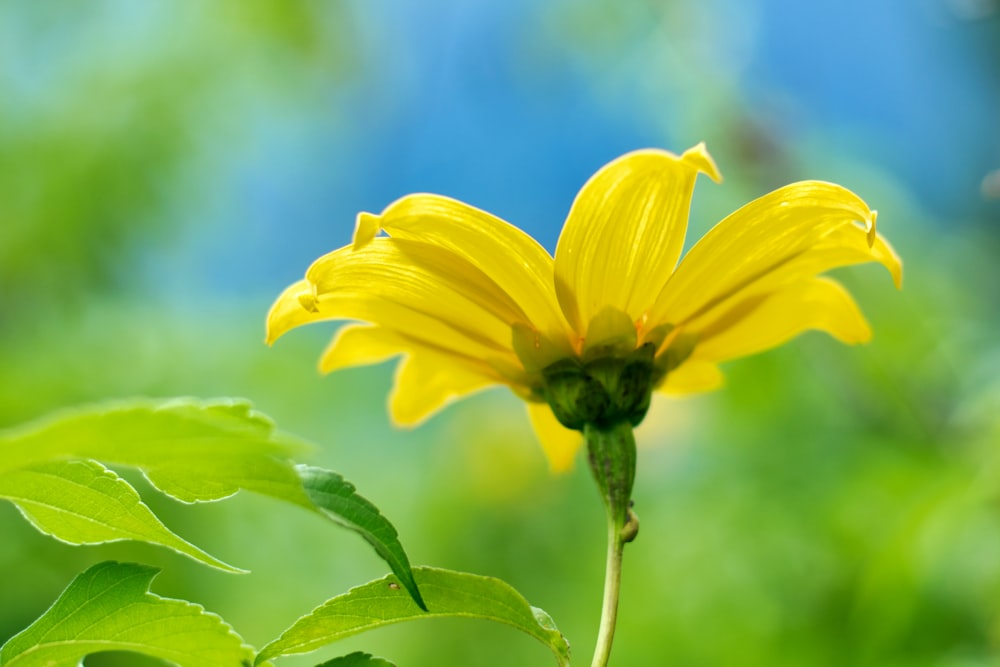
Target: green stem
(612,586)
(612,460)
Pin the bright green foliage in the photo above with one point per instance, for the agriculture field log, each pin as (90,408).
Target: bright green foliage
(191,450)
(336,499)
(447,593)
(357,659)
(198,452)
(109,608)
(82,502)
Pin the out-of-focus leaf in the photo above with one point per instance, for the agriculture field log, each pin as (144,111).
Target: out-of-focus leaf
(191,450)
(82,502)
(447,593)
(357,659)
(336,499)
(109,608)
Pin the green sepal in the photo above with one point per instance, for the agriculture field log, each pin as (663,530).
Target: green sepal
(606,388)
(573,394)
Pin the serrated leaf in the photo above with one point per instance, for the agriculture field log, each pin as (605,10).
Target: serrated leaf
(82,502)
(337,499)
(357,659)
(191,450)
(109,608)
(447,594)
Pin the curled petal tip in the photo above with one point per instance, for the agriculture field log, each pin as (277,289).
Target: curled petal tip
(294,307)
(870,227)
(366,228)
(698,157)
(309,302)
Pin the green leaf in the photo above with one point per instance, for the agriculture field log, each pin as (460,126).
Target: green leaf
(191,450)
(357,659)
(447,593)
(109,608)
(82,502)
(336,499)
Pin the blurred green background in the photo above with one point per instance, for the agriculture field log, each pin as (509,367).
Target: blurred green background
(166,168)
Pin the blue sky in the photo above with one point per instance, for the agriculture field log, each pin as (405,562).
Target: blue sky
(494,103)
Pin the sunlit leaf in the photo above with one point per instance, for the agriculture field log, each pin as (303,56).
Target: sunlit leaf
(191,450)
(357,659)
(336,498)
(109,608)
(447,594)
(82,502)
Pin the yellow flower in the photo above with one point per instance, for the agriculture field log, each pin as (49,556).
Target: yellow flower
(471,301)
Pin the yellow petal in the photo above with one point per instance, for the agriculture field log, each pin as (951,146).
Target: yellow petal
(366,228)
(512,259)
(765,321)
(294,307)
(625,232)
(845,246)
(364,344)
(788,235)
(427,292)
(427,381)
(559,443)
(691,377)
(361,345)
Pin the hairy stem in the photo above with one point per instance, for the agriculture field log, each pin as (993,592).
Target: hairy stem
(611,453)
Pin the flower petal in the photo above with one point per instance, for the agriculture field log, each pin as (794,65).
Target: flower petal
(788,235)
(761,322)
(427,381)
(512,259)
(691,377)
(295,306)
(625,232)
(361,345)
(559,443)
(424,291)
(364,344)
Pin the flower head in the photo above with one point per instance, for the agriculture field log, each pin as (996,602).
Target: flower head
(470,301)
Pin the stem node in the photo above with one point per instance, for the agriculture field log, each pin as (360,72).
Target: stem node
(631,528)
